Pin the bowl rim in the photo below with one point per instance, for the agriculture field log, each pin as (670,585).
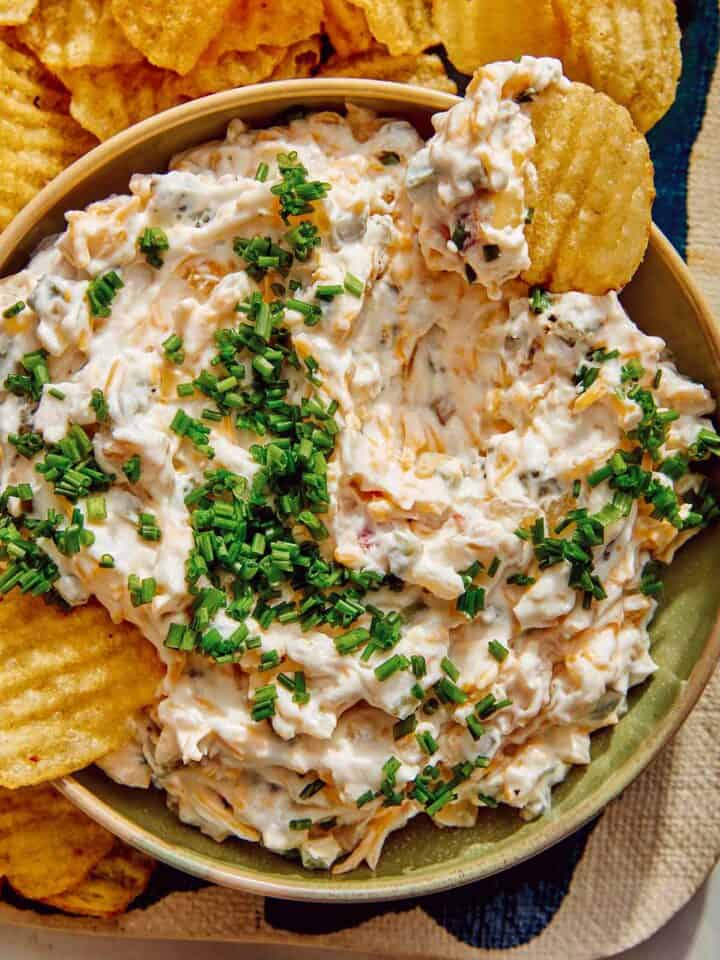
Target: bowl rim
(437,877)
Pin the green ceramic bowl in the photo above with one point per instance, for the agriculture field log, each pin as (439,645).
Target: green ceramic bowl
(686,640)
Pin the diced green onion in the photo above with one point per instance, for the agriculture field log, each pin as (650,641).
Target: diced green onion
(497,650)
(353,285)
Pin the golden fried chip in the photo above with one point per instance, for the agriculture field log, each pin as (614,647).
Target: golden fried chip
(46,844)
(347,28)
(482,31)
(109,100)
(37,137)
(403,26)
(110,887)
(425,70)
(592,209)
(629,49)
(15,11)
(300,60)
(250,24)
(171,33)
(77,33)
(70,684)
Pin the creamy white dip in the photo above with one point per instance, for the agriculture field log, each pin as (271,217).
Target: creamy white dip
(463,423)
(470,182)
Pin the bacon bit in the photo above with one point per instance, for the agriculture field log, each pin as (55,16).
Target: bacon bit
(366,537)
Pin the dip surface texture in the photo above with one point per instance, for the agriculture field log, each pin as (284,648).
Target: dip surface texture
(393,533)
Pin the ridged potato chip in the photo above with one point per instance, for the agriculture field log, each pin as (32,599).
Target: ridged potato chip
(77,33)
(110,886)
(593,204)
(403,26)
(46,844)
(630,49)
(37,137)
(249,24)
(171,33)
(70,684)
(347,28)
(481,31)
(299,61)
(109,100)
(15,11)
(425,70)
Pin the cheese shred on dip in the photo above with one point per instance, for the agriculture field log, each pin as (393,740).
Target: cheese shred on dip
(396,527)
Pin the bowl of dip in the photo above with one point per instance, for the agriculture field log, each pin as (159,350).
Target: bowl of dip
(420,859)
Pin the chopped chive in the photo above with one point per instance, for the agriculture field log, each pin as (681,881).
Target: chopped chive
(131,468)
(328,291)
(262,172)
(304,823)
(96,509)
(54,392)
(185,389)
(173,348)
(449,668)
(99,405)
(475,727)
(403,727)
(14,310)
(419,666)
(487,800)
(391,666)
(352,640)
(152,242)
(520,580)
(101,292)
(497,650)
(576,488)
(449,692)
(364,798)
(310,789)
(427,742)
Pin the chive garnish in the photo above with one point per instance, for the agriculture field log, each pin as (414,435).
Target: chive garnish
(14,310)
(152,242)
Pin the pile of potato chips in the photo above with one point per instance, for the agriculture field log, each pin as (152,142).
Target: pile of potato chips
(53,853)
(75,71)
(70,683)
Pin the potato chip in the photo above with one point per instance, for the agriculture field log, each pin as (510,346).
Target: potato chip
(347,28)
(109,100)
(403,26)
(171,33)
(70,684)
(37,137)
(300,60)
(77,33)
(425,70)
(15,11)
(481,31)
(250,24)
(110,887)
(46,844)
(630,49)
(592,209)
(231,70)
